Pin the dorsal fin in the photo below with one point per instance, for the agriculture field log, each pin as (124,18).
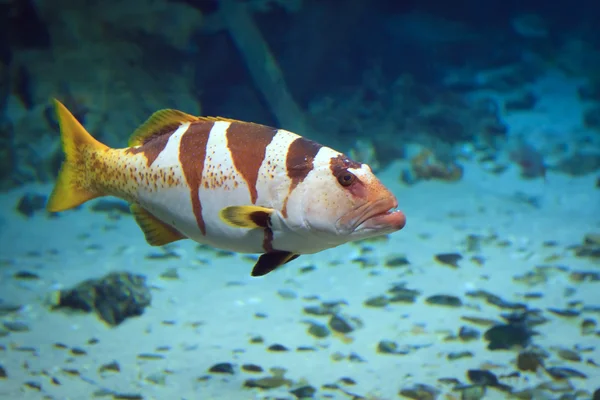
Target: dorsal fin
(159,123)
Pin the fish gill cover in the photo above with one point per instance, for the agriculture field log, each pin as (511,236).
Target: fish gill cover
(482,118)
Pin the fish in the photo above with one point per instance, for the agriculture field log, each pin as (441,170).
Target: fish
(229,184)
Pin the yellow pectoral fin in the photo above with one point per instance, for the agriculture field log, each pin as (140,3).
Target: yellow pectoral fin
(246,216)
(157,233)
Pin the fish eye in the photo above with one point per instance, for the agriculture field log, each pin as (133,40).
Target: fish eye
(346,178)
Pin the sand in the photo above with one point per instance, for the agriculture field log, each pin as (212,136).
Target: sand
(209,314)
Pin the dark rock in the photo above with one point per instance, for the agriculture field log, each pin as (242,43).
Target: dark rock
(579,164)
(401,294)
(3,374)
(482,377)
(495,300)
(114,297)
(377,301)
(252,368)
(397,261)
(342,324)
(16,326)
(304,392)
(222,368)
(420,392)
(564,312)
(26,276)
(596,395)
(565,373)
(459,354)
(277,347)
(30,203)
(444,300)
(507,336)
(529,361)
(466,333)
(450,259)
(318,330)
(111,366)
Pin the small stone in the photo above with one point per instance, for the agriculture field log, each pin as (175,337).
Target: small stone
(252,368)
(565,373)
(420,392)
(30,203)
(287,294)
(387,347)
(157,378)
(127,396)
(473,392)
(450,259)
(257,340)
(395,261)
(150,356)
(588,326)
(596,395)
(277,347)
(222,368)
(459,354)
(444,300)
(529,361)
(505,337)
(26,276)
(347,381)
(304,392)
(342,324)
(377,301)
(33,385)
(3,374)
(16,326)
(466,333)
(564,312)
(318,330)
(111,366)
(78,351)
(482,377)
(569,355)
(170,273)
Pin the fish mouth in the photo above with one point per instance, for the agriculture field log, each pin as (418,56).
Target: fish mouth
(381,215)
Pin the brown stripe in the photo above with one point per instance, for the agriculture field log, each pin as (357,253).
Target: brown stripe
(153,147)
(341,163)
(299,162)
(247,144)
(192,155)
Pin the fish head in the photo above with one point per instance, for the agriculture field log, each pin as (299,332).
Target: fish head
(343,201)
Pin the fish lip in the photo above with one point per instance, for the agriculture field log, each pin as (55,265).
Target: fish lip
(383,215)
(380,215)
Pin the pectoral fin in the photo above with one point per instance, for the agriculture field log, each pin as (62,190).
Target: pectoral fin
(269,261)
(246,216)
(157,233)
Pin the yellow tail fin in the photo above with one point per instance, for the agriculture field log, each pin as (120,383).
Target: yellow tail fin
(72,186)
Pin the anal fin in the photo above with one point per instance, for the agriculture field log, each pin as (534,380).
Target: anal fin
(157,233)
(270,261)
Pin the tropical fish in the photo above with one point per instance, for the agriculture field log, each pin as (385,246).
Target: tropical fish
(230,184)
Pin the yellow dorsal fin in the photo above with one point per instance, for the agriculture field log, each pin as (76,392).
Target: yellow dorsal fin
(159,123)
(157,233)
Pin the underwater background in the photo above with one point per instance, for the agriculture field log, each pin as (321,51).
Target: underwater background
(483,118)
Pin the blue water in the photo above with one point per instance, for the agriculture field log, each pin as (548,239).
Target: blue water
(483,120)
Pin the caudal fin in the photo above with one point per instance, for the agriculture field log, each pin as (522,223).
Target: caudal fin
(73,186)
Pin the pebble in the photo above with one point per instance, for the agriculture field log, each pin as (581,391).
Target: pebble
(459,354)
(287,294)
(3,374)
(343,325)
(377,301)
(529,361)
(111,366)
(466,333)
(395,261)
(450,259)
(588,326)
(420,392)
(318,330)
(565,373)
(304,392)
(444,300)
(222,368)
(252,368)
(277,347)
(16,326)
